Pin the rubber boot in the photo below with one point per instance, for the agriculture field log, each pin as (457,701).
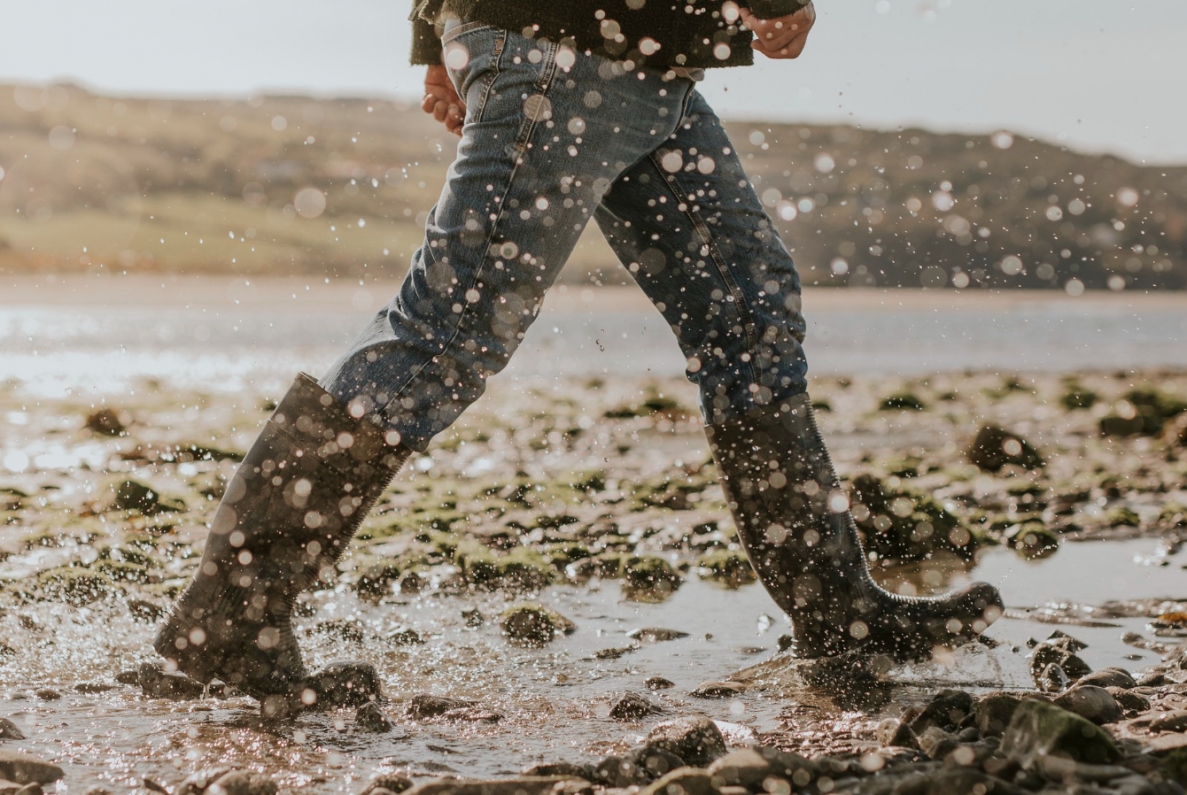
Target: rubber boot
(793,521)
(298,497)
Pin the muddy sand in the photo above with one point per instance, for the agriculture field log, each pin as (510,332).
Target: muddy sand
(594,501)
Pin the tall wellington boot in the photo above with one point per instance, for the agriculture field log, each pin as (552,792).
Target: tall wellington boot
(794,523)
(293,505)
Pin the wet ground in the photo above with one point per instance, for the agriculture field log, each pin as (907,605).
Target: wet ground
(545,492)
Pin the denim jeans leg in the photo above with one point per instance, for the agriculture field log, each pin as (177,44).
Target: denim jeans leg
(687,224)
(547,131)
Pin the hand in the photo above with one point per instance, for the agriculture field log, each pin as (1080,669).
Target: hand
(780,37)
(441,100)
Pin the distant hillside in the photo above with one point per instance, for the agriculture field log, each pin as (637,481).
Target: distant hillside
(92,182)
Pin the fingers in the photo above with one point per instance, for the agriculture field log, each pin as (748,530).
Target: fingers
(441,100)
(780,37)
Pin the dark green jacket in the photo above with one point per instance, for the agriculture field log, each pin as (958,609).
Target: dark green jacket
(690,33)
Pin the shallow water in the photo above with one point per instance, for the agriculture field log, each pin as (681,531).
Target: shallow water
(104,349)
(554,701)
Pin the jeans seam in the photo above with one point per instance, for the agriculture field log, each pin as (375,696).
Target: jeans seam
(542,84)
(500,43)
(702,229)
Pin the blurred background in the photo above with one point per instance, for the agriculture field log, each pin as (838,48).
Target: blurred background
(917,143)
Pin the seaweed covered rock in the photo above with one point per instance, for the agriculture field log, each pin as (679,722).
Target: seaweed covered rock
(1041,729)
(1032,540)
(649,578)
(726,566)
(1143,411)
(994,447)
(902,401)
(905,525)
(532,626)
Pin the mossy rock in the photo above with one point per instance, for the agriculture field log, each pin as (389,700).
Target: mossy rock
(1120,516)
(1164,404)
(1132,420)
(587,480)
(1173,515)
(902,401)
(727,566)
(905,525)
(531,625)
(561,554)
(524,568)
(75,586)
(1032,540)
(1039,729)
(376,580)
(994,447)
(1077,397)
(649,578)
(477,563)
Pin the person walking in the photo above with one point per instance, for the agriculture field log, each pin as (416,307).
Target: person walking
(566,112)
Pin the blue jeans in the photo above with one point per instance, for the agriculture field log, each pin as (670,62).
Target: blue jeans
(553,138)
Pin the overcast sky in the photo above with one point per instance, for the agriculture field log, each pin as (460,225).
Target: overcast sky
(1100,75)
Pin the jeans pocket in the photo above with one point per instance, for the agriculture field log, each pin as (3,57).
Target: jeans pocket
(471,53)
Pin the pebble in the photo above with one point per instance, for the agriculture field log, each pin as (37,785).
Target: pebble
(370,718)
(658,683)
(24,769)
(345,684)
(1109,677)
(47,694)
(993,713)
(751,767)
(1091,702)
(533,626)
(632,706)
(423,706)
(156,682)
(10,731)
(1039,728)
(718,690)
(696,740)
(386,783)
(405,637)
(656,634)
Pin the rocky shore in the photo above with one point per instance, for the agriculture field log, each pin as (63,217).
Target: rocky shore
(451,599)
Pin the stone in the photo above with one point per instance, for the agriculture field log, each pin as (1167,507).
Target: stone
(937,743)
(108,422)
(946,710)
(1128,700)
(682,781)
(156,682)
(696,740)
(1038,728)
(617,772)
(658,683)
(1091,702)
(1109,677)
(423,706)
(196,783)
(523,785)
(652,763)
(241,782)
(655,634)
(345,684)
(718,690)
(386,782)
(1053,679)
(750,767)
(47,694)
(10,731)
(406,637)
(24,769)
(1174,721)
(954,781)
(1045,654)
(895,733)
(370,718)
(632,706)
(533,626)
(567,769)
(994,447)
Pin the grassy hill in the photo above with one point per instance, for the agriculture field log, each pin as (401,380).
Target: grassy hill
(93,182)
